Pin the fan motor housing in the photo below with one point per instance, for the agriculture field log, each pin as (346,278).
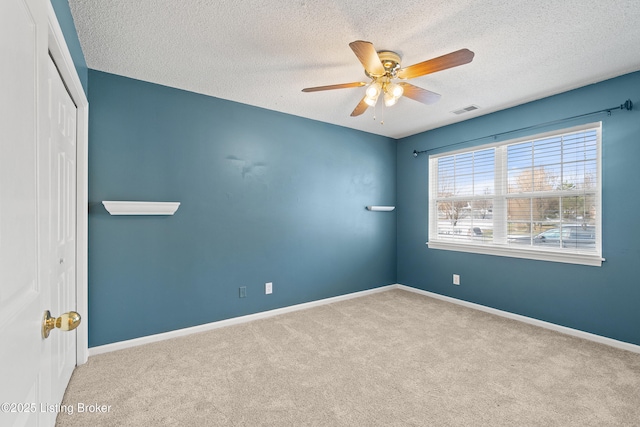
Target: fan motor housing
(390,61)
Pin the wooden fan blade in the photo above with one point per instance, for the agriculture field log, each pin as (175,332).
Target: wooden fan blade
(360,108)
(450,60)
(331,87)
(418,94)
(368,56)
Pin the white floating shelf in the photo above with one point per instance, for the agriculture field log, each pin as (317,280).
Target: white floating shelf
(141,208)
(381,208)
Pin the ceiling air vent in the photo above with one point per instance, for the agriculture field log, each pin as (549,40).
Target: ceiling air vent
(466,109)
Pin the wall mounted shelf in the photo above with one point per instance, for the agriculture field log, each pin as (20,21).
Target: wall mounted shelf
(381,208)
(140,208)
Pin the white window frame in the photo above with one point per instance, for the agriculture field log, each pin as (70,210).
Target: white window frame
(498,246)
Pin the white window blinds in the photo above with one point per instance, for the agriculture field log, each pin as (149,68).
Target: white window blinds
(537,197)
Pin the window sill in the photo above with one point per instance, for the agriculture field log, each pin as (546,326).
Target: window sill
(533,254)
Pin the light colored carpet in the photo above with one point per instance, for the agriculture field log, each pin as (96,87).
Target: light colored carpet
(393,358)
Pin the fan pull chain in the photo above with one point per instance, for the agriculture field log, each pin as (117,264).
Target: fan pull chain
(375,110)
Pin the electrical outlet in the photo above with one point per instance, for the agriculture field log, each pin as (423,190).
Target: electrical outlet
(243,291)
(456,279)
(268,288)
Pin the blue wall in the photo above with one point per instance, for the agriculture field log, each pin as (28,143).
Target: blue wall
(65,19)
(601,300)
(266,197)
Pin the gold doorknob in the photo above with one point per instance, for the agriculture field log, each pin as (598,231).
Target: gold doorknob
(67,322)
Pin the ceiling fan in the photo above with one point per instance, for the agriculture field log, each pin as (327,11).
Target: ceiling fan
(383,68)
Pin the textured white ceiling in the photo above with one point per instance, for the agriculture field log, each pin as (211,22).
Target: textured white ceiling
(263,52)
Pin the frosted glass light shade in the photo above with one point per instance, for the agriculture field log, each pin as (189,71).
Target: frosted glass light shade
(395,89)
(389,99)
(373,91)
(371,101)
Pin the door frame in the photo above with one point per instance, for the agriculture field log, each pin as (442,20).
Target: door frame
(62,57)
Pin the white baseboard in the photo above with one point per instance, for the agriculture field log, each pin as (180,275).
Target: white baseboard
(552,326)
(93,351)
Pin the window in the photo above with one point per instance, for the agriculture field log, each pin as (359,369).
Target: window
(536,197)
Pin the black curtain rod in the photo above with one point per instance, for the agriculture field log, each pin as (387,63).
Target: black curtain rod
(628,105)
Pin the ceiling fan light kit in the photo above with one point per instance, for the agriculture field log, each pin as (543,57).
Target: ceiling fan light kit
(383,68)
(373,92)
(390,99)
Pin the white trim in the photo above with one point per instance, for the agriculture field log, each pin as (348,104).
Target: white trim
(540,323)
(93,351)
(510,251)
(107,348)
(62,57)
